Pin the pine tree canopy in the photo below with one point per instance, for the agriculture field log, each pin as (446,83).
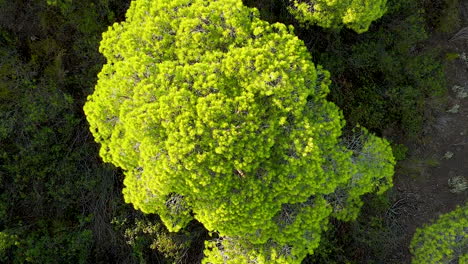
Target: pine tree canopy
(445,241)
(354,14)
(216,115)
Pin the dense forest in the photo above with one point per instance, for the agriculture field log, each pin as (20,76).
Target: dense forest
(290,131)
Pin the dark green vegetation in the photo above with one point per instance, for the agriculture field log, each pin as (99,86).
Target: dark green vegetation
(60,204)
(387,65)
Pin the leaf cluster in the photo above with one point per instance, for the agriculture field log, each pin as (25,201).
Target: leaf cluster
(218,116)
(354,14)
(444,241)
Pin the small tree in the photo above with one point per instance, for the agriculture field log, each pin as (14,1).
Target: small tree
(355,14)
(216,115)
(445,241)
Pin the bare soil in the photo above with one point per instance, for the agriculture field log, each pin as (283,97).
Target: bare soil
(422,190)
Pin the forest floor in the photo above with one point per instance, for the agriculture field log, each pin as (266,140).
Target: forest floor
(421,186)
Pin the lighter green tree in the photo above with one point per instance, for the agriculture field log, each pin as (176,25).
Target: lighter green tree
(354,14)
(445,241)
(216,115)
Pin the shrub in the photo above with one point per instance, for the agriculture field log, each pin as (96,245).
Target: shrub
(444,241)
(355,14)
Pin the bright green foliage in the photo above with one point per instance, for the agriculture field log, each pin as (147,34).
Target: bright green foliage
(355,14)
(445,241)
(463,259)
(373,162)
(215,114)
